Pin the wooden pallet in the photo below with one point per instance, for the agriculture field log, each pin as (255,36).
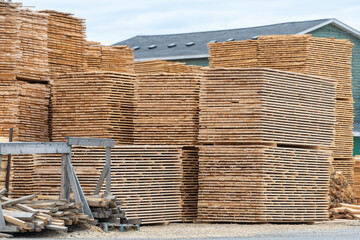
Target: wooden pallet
(166,109)
(263,184)
(93,104)
(253,105)
(109,58)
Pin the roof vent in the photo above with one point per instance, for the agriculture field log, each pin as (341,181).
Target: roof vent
(190,44)
(172,45)
(136,48)
(230,39)
(254,38)
(152,46)
(213,41)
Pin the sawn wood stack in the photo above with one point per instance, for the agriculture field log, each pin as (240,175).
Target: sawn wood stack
(166,109)
(109,58)
(93,104)
(160,66)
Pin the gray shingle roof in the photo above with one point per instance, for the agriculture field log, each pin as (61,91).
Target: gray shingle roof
(199,49)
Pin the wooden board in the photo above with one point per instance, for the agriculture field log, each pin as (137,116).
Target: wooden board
(160,66)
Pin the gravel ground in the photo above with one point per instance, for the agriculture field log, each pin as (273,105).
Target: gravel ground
(185,231)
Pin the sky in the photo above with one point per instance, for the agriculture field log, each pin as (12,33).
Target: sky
(111,21)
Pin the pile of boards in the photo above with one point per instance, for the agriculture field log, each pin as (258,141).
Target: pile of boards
(357,178)
(166,109)
(23,42)
(340,190)
(147,179)
(66,42)
(27,214)
(160,66)
(345,211)
(326,57)
(259,159)
(109,58)
(93,104)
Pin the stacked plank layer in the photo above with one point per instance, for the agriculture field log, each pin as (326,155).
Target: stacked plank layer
(23,43)
(166,109)
(109,58)
(66,42)
(160,66)
(266,106)
(24,107)
(93,104)
(146,178)
(263,184)
(189,186)
(326,57)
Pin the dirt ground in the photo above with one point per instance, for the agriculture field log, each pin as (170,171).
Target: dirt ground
(185,230)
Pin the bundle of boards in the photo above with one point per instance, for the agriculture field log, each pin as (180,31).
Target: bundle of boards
(109,58)
(166,109)
(93,104)
(147,179)
(23,42)
(160,66)
(325,57)
(259,159)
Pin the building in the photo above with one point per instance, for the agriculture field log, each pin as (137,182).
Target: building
(191,48)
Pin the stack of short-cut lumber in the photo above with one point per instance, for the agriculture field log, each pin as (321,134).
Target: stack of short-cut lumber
(326,57)
(260,130)
(24,107)
(147,179)
(23,42)
(66,42)
(109,58)
(166,109)
(340,190)
(93,104)
(160,66)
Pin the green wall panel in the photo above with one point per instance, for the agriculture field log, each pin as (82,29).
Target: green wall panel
(356,146)
(332,31)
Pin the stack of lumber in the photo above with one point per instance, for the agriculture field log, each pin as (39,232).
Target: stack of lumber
(345,211)
(160,66)
(147,179)
(166,109)
(260,130)
(357,178)
(325,57)
(257,105)
(234,54)
(189,186)
(66,42)
(24,107)
(340,190)
(109,58)
(93,104)
(27,214)
(23,42)
(254,183)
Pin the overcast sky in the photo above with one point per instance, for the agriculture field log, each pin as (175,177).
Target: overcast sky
(111,21)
